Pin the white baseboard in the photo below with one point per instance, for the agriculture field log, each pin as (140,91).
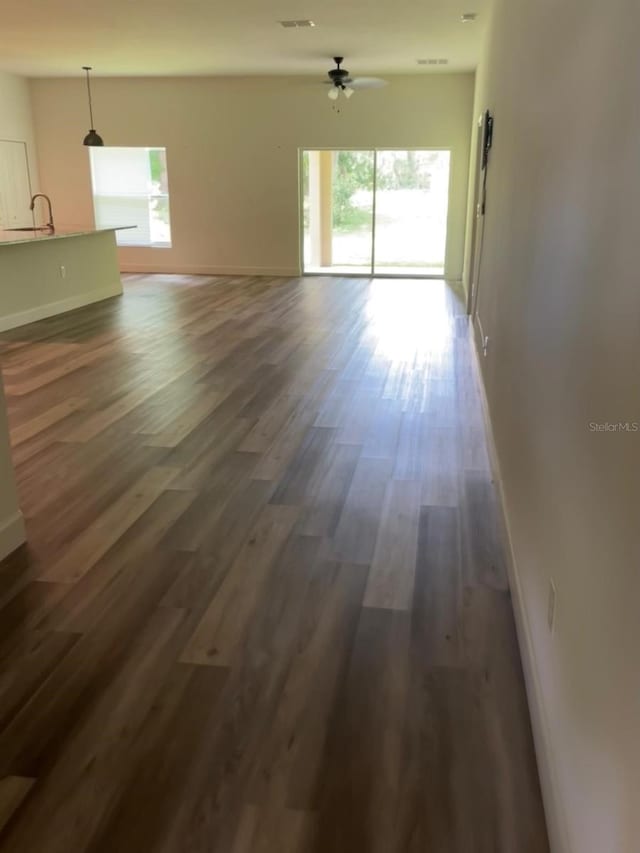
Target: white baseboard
(12,534)
(51,309)
(290,272)
(185,269)
(557,824)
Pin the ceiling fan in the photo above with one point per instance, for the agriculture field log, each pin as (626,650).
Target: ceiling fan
(341,81)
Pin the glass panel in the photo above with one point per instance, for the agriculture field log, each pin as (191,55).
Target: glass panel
(337,191)
(307,251)
(159,219)
(352,211)
(112,211)
(412,200)
(120,171)
(130,187)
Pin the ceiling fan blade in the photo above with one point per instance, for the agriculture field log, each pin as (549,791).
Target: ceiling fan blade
(346,82)
(368,83)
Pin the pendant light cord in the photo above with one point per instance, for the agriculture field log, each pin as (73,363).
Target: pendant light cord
(87,68)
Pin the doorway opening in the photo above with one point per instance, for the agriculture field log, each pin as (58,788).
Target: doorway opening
(375,212)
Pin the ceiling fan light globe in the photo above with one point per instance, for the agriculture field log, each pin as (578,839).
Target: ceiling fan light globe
(333,94)
(348,92)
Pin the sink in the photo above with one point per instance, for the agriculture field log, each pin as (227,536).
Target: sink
(31,228)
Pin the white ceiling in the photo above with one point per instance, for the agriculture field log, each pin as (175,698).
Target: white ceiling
(175,37)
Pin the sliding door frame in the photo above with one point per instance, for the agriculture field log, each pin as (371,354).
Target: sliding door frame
(372,273)
(374,207)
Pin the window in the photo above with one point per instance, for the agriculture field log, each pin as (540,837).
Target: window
(130,187)
(375,212)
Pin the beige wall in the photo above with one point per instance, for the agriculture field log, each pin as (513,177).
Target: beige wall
(560,300)
(11,522)
(16,124)
(16,120)
(232,155)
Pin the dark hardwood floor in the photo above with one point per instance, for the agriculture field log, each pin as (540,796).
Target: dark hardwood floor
(264,607)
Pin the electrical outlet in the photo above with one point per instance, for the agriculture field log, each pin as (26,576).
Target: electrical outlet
(63,271)
(551,606)
(485,345)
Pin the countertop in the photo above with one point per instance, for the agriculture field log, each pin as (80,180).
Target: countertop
(10,238)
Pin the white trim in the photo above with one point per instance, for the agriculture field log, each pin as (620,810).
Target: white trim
(557,824)
(12,534)
(329,273)
(41,312)
(185,269)
(374,211)
(301,208)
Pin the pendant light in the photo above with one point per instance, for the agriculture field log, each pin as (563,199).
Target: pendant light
(92,138)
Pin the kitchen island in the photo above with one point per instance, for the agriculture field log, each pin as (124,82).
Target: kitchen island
(44,273)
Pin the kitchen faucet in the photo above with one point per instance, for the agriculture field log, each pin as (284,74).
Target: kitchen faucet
(48,200)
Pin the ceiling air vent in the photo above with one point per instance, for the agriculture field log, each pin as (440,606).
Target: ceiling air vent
(469,17)
(296,25)
(432,61)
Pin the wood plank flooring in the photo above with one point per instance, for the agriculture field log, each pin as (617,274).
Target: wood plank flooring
(263,607)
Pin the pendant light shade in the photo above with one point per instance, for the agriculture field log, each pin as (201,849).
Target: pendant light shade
(92,138)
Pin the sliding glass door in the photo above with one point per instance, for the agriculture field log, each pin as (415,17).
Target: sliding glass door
(412,201)
(338,211)
(375,212)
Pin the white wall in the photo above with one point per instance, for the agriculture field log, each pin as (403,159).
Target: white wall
(16,120)
(232,148)
(32,284)
(559,299)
